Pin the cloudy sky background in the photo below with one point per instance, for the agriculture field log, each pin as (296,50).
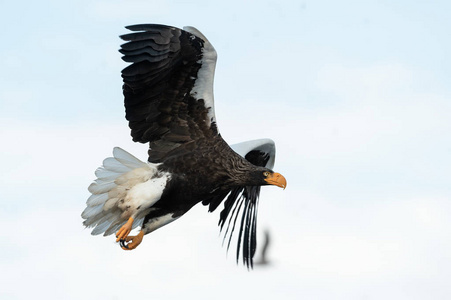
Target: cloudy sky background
(356,96)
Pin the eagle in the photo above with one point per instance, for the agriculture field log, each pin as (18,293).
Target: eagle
(168,99)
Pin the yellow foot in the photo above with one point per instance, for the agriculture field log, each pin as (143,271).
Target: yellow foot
(124,230)
(135,241)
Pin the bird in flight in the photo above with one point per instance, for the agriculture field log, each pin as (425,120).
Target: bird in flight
(168,98)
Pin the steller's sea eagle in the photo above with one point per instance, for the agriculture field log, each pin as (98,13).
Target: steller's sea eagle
(168,91)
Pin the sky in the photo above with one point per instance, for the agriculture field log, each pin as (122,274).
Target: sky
(355,94)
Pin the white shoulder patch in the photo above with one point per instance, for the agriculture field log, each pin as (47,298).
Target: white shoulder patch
(203,87)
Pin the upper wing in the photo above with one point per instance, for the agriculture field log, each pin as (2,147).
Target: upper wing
(260,152)
(244,200)
(168,89)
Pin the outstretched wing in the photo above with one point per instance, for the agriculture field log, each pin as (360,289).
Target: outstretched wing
(244,200)
(168,88)
(261,152)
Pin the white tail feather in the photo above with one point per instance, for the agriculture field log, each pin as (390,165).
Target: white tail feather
(110,203)
(125,187)
(94,200)
(91,211)
(126,158)
(105,174)
(100,188)
(114,165)
(101,228)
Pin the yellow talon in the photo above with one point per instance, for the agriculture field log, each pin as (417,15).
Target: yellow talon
(135,241)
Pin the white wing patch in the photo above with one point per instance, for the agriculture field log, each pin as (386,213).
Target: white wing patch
(203,87)
(264,145)
(125,187)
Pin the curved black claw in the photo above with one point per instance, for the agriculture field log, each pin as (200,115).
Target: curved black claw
(123,244)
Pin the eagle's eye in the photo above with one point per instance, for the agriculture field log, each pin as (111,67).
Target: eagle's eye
(266,173)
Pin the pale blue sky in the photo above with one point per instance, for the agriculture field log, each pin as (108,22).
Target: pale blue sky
(356,95)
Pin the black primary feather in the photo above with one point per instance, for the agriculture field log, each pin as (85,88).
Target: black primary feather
(242,200)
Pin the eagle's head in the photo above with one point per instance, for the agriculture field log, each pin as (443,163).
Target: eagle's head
(265,176)
(273,178)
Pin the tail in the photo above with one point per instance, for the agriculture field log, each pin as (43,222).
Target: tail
(114,178)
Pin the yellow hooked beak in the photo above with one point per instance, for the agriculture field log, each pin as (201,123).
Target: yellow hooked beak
(276,179)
